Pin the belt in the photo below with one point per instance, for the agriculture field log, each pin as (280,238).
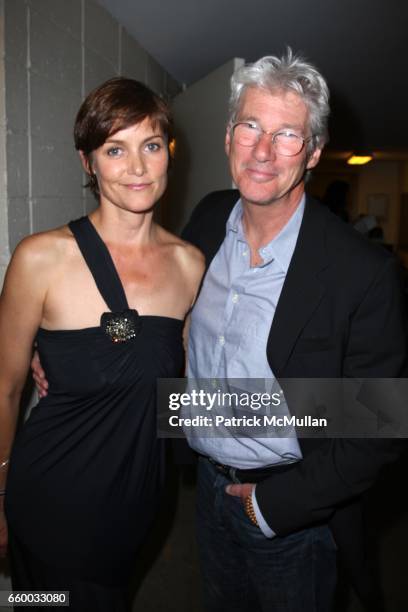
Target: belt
(256,475)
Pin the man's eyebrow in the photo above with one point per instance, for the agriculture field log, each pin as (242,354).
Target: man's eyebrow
(246,118)
(283,126)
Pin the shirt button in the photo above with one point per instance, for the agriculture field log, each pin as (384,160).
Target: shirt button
(235,297)
(245,253)
(221,340)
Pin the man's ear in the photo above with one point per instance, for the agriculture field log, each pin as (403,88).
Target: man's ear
(313,159)
(228,140)
(86,163)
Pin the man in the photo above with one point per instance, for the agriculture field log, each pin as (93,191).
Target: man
(290,292)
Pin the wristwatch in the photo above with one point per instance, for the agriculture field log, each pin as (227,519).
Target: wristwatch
(249,509)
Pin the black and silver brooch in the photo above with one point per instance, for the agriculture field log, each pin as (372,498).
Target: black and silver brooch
(121,326)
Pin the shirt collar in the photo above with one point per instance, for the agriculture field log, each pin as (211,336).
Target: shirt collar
(279,248)
(234,222)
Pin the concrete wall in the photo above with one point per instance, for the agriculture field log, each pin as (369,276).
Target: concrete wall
(4,251)
(4,580)
(55,53)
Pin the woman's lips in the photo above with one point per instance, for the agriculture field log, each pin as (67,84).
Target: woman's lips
(137,186)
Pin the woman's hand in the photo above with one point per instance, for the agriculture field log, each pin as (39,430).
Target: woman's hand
(41,382)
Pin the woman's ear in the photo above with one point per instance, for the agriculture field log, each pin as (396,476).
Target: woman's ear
(86,163)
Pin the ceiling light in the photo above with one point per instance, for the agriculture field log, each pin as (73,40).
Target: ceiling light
(359,160)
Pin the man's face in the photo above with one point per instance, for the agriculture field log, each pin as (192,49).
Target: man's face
(262,176)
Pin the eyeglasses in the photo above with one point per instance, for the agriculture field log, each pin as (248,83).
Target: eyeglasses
(285,141)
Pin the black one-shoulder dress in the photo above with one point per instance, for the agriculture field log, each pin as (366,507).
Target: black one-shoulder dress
(86,468)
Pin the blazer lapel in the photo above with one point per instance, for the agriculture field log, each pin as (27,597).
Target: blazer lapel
(302,289)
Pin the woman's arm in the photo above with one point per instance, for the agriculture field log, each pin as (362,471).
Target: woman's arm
(194,266)
(21,307)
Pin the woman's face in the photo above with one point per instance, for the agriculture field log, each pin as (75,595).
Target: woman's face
(131,167)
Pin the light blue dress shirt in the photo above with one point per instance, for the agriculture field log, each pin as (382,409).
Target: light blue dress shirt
(230,326)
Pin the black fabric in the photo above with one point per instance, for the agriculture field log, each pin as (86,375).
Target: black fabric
(254,475)
(31,574)
(99,261)
(86,468)
(207,225)
(340,314)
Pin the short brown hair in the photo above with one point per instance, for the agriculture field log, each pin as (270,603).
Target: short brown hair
(115,105)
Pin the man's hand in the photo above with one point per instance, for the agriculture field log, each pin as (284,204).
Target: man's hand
(244,491)
(240,490)
(41,382)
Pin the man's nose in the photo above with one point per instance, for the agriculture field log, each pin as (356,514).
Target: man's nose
(264,149)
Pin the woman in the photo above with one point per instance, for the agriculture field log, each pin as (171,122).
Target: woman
(105,298)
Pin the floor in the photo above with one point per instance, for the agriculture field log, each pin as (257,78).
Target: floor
(168,579)
(172,582)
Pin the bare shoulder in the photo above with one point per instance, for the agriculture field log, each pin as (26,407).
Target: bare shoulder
(43,244)
(190,257)
(39,252)
(186,255)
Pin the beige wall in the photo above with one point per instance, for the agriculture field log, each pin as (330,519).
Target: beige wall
(201,166)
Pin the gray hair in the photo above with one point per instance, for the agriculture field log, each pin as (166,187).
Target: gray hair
(288,73)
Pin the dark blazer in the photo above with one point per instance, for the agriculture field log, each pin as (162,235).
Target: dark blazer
(340,314)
